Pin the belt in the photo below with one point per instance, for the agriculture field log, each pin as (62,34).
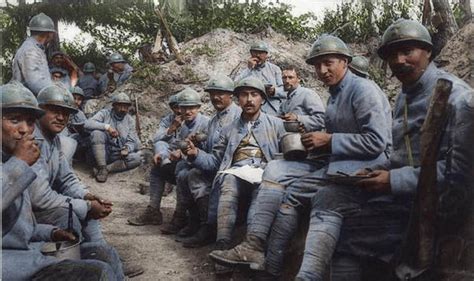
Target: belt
(243,154)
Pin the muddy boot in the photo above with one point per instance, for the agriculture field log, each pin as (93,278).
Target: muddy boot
(176,224)
(102,174)
(249,253)
(132,269)
(193,222)
(117,166)
(148,217)
(222,245)
(99,154)
(206,233)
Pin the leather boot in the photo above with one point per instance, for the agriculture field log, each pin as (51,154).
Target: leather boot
(178,221)
(117,166)
(193,222)
(206,233)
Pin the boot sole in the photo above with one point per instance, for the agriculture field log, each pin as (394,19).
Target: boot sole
(237,264)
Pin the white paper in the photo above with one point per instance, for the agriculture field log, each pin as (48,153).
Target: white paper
(247,173)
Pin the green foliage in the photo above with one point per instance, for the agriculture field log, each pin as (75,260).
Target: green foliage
(356,22)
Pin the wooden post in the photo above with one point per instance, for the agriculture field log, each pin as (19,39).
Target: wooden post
(172,44)
(417,253)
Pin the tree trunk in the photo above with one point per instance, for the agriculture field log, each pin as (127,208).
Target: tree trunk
(465,6)
(426,18)
(172,44)
(445,24)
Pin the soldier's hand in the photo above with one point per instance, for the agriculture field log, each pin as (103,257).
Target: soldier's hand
(175,125)
(289,117)
(175,155)
(124,152)
(27,150)
(252,62)
(315,140)
(98,210)
(191,151)
(157,159)
(270,90)
(62,235)
(91,197)
(112,132)
(379,182)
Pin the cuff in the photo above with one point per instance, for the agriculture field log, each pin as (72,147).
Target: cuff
(403,181)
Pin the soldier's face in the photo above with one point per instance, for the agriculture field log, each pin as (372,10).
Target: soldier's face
(58,60)
(56,76)
(290,80)
(220,99)
(15,126)
(189,112)
(330,69)
(250,100)
(408,63)
(78,99)
(260,55)
(54,119)
(118,66)
(121,108)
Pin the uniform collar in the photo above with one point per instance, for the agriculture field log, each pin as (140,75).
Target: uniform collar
(243,123)
(293,92)
(193,122)
(334,90)
(417,88)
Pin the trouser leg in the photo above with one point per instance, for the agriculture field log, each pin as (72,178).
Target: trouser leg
(105,253)
(158,176)
(283,229)
(98,141)
(345,268)
(228,207)
(92,231)
(77,270)
(59,217)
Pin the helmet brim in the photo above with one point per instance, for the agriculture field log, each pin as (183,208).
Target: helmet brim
(384,50)
(37,112)
(311,60)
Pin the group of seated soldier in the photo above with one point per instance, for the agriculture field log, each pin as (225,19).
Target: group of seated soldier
(358,157)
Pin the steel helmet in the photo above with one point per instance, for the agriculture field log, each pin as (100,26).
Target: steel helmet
(42,23)
(220,83)
(259,46)
(57,95)
(360,66)
(173,100)
(16,96)
(404,30)
(251,82)
(77,91)
(121,98)
(116,57)
(328,45)
(189,97)
(88,67)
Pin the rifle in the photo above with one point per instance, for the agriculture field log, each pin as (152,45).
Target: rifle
(418,248)
(137,119)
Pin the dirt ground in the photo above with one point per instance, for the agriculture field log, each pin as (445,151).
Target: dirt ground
(161,256)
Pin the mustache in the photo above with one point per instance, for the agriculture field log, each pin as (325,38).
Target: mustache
(403,69)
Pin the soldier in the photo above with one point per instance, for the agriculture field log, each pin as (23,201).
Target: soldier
(119,72)
(166,159)
(21,259)
(30,65)
(60,75)
(198,183)
(77,120)
(51,201)
(60,62)
(407,48)
(88,82)
(302,104)
(268,73)
(355,135)
(114,139)
(360,66)
(244,148)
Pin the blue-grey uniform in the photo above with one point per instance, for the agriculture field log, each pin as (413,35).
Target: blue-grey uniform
(90,85)
(50,201)
(197,183)
(167,172)
(307,105)
(357,121)
(30,66)
(22,236)
(161,139)
(119,78)
(268,73)
(261,140)
(128,137)
(75,131)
